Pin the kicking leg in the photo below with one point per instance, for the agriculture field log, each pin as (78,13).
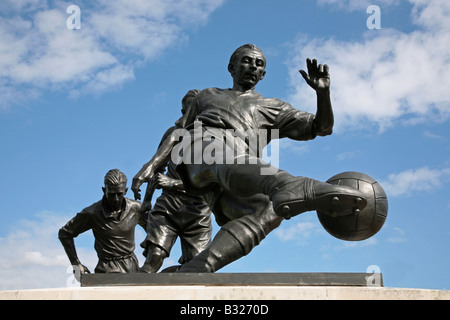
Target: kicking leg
(290,195)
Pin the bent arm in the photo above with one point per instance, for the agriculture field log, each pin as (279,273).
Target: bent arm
(318,78)
(162,156)
(69,247)
(324,119)
(79,224)
(160,159)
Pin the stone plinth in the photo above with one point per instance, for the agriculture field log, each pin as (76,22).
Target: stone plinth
(229,286)
(192,293)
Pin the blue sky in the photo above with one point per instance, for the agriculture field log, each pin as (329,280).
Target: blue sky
(76,103)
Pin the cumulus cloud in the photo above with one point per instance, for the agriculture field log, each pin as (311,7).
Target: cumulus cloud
(389,77)
(38,51)
(415,180)
(31,255)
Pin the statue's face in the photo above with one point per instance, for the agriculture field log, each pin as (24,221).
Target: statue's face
(248,68)
(115,195)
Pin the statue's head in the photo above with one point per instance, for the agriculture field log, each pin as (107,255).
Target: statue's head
(115,188)
(247,66)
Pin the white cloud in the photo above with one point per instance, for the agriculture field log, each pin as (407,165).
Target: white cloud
(22,5)
(389,77)
(344,156)
(44,52)
(294,147)
(399,236)
(38,51)
(430,135)
(358,244)
(31,255)
(432,14)
(419,180)
(354,5)
(299,232)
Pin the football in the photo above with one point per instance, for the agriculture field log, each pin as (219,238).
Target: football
(367,222)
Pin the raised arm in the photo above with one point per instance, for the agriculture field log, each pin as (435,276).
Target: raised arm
(318,78)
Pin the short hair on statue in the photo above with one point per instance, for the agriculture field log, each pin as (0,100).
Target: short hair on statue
(245,46)
(115,177)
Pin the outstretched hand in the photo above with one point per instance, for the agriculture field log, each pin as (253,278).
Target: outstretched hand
(162,181)
(318,76)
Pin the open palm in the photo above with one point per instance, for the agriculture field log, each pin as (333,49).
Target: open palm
(318,76)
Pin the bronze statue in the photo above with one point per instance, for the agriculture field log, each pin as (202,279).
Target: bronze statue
(248,196)
(175,214)
(113,221)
